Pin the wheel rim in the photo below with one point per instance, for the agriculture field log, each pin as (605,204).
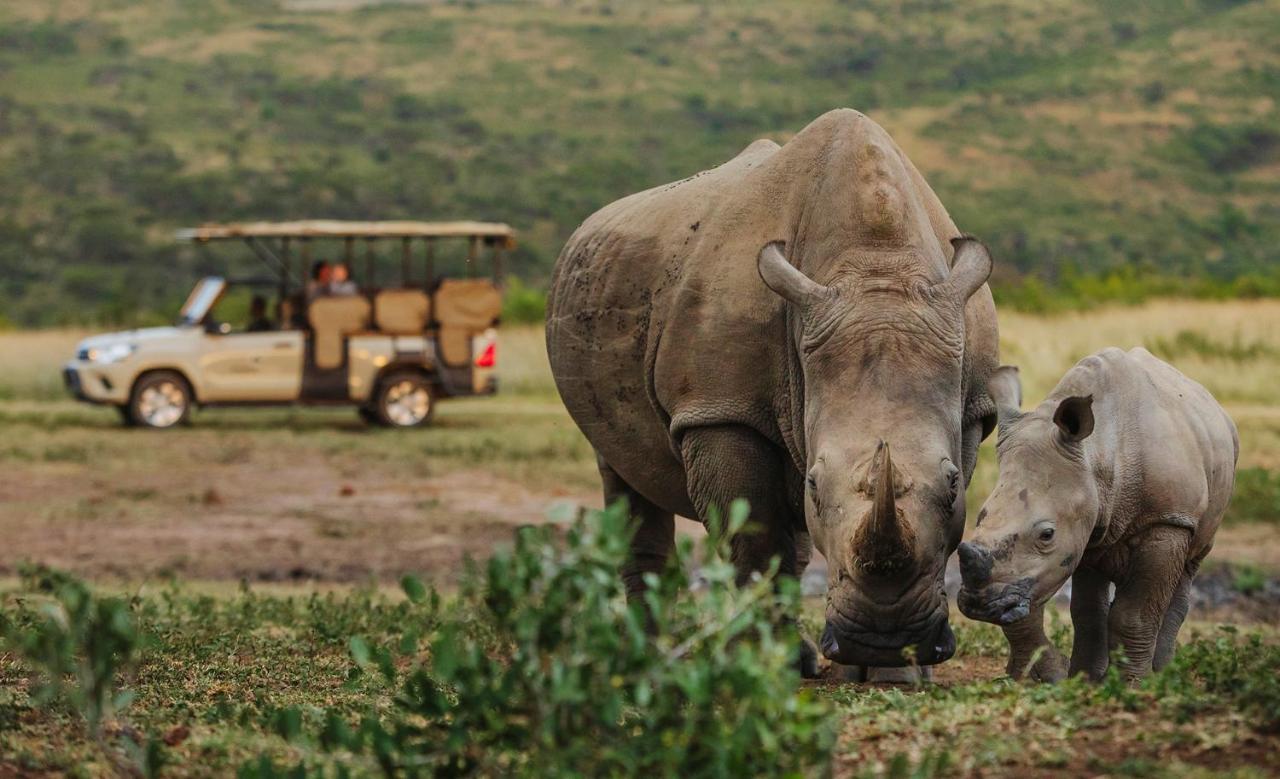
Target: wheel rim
(163,404)
(407,403)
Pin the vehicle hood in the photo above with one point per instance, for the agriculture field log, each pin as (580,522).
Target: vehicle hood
(139,336)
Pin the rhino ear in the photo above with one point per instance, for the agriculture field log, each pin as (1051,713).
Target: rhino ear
(784,278)
(969,270)
(1005,388)
(1074,418)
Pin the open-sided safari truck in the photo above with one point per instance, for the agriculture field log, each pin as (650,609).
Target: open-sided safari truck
(392,351)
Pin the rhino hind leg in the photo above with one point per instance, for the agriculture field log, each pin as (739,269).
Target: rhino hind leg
(1137,614)
(655,532)
(726,462)
(1167,641)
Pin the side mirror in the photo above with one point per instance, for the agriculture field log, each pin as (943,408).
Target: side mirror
(214,327)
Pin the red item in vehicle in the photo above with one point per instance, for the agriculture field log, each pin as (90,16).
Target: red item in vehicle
(489,357)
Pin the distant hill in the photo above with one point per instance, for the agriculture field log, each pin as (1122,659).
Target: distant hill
(1090,143)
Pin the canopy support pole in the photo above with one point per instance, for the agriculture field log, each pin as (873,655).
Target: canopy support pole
(430,263)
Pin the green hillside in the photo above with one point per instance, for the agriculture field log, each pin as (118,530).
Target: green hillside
(1105,148)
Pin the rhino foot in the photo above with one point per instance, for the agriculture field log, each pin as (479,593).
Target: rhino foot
(808,659)
(913,675)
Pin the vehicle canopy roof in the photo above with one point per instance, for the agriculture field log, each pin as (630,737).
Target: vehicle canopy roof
(493,232)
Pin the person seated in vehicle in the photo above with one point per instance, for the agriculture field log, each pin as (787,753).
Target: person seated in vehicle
(258,321)
(321,275)
(340,282)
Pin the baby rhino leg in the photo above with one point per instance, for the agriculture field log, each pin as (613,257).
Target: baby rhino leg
(1090,605)
(1031,653)
(1156,565)
(1167,641)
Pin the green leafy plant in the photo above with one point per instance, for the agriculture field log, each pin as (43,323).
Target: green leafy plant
(542,668)
(79,645)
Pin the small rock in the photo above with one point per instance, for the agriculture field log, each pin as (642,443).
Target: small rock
(176,735)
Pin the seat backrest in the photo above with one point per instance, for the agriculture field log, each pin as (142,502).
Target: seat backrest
(333,318)
(402,311)
(464,307)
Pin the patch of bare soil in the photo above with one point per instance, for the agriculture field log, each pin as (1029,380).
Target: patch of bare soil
(307,521)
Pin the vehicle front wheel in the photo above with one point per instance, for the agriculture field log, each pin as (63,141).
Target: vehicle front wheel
(160,400)
(404,400)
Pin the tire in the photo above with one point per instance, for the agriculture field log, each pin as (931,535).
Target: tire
(404,399)
(368,414)
(160,400)
(126,416)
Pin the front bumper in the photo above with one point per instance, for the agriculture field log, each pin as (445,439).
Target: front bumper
(94,383)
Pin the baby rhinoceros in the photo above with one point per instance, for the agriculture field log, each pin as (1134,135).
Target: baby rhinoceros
(1120,476)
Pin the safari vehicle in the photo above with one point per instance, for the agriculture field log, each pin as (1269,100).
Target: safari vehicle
(391,351)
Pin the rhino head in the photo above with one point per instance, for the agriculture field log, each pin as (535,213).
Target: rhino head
(1040,516)
(881,354)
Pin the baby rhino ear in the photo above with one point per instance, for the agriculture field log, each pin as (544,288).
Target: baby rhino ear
(1005,388)
(1074,418)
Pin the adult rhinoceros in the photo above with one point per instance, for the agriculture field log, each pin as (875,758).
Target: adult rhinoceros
(793,327)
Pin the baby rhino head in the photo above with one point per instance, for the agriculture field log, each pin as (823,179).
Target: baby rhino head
(1037,522)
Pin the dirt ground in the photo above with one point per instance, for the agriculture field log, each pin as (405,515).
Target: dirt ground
(327,501)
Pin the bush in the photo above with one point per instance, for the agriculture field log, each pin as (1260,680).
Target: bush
(543,669)
(1256,497)
(1244,672)
(522,304)
(78,645)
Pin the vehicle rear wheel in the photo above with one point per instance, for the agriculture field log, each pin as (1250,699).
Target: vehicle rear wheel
(404,400)
(160,400)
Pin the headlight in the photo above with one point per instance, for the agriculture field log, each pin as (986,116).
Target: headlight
(104,355)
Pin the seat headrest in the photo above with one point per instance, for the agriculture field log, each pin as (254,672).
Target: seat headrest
(402,311)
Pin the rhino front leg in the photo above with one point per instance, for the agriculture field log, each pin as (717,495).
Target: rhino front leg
(655,531)
(726,462)
(1167,641)
(1156,565)
(1030,651)
(1090,605)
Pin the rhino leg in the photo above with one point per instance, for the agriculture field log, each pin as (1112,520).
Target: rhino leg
(726,462)
(655,531)
(1167,641)
(1156,565)
(1031,653)
(1090,604)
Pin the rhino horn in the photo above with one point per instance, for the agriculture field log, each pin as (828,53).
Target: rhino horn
(784,278)
(885,545)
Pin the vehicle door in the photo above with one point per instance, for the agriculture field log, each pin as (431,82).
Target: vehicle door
(249,367)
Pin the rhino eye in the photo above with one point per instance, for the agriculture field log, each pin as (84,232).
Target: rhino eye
(1046,535)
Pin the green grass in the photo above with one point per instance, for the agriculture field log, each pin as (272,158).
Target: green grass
(1107,152)
(224,677)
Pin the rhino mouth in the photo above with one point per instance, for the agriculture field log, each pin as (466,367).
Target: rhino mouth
(935,644)
(1001,605)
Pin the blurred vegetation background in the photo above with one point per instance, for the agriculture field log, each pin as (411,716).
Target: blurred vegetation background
(1106,150)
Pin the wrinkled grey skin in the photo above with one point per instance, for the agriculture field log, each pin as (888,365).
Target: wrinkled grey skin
(789,328)
(1120,476)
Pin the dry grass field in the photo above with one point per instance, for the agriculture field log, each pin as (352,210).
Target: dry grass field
(313,494)
(292,502)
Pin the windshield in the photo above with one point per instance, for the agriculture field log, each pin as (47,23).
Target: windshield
(201,299)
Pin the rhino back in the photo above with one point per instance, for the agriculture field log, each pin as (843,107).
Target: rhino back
(611,302)
(1169,444)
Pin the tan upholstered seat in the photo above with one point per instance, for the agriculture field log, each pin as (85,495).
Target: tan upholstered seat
(401,311)
(464,307)
(333,318)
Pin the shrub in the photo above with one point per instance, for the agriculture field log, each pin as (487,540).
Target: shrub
(522,304)
(543,669)
(78,645)
(1191,342)
(1256,497)
(1228,668)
